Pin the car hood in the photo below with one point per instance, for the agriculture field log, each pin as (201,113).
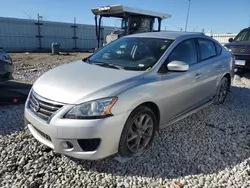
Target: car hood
(238,43)
(76,82)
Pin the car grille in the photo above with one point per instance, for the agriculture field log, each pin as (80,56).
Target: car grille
(241,50)
(42,108)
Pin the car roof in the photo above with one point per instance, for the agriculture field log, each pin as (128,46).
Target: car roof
(247,28)
(166,34)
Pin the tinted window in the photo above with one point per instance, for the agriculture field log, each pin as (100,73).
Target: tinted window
(207,49)
(185,52)
(218,49)
(132,53)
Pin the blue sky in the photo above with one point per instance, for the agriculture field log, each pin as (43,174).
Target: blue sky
(220,16)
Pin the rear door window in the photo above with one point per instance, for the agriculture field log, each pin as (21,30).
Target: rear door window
(207,49)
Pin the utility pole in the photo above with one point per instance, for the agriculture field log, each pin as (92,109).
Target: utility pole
(39,17)
(187,15)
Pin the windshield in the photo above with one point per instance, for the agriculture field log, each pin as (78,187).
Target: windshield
(124,24)
(243,36)
(132,53)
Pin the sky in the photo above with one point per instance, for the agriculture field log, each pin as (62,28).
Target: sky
(220,16)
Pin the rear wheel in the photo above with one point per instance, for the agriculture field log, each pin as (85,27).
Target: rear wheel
(222,91)
(138,132)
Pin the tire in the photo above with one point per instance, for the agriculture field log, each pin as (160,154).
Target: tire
(222,91)
(133,133)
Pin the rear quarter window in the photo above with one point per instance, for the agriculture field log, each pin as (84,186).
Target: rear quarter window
(218,48)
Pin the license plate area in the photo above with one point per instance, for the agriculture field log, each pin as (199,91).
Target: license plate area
(240,62)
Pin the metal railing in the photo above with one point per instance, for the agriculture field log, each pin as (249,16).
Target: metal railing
(222,38)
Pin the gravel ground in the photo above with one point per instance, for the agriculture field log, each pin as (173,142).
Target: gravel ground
(208,149)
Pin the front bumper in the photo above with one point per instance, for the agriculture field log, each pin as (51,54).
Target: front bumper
(243,66)
(246,58)
(61,131)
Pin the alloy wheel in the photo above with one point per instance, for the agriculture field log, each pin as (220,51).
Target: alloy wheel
(140,133)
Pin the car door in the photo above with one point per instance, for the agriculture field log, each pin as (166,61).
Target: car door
(181,90)
(210,65)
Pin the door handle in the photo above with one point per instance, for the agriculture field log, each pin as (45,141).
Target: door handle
(197,76)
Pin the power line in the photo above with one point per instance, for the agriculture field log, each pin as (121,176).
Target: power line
(187,15)
(28,15)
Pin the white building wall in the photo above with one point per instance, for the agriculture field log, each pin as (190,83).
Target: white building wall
(222,38)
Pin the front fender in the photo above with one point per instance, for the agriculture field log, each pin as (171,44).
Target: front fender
(131,98)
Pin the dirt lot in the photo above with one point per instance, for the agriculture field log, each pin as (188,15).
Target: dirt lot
(26,65)
(33,59)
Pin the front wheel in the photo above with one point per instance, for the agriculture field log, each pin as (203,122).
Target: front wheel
(222,91)
(138,132)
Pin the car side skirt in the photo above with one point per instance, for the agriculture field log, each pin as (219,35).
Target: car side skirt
(180,117)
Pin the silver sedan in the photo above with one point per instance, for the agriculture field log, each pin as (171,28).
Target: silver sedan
(115,100)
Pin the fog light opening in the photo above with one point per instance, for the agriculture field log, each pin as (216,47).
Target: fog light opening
(70,145)
(66,145)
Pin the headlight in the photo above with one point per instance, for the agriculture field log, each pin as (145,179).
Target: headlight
(93,109)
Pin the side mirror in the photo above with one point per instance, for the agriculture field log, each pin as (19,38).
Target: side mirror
(230,40)
(178,66)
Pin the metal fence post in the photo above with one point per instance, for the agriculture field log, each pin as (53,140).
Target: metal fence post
(74,34)
(39,36)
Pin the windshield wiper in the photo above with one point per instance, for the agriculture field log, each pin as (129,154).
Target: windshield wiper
(109,65)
